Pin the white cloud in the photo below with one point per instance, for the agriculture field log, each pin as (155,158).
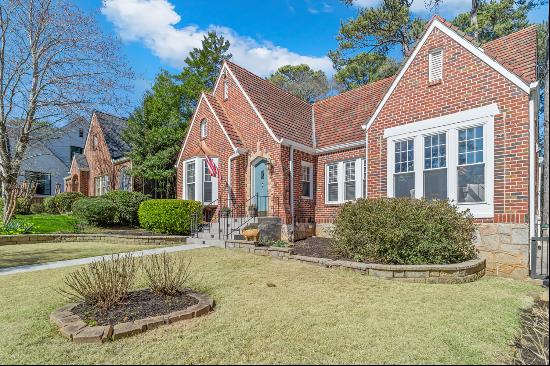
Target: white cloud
(447,7)
(154,22)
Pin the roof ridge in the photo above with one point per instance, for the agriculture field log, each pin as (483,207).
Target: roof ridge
(270,83)
(109,114)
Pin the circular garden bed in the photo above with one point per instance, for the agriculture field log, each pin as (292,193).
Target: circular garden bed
(141,310)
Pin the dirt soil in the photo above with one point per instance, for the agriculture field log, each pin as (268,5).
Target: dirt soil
(316,247)
(138,305)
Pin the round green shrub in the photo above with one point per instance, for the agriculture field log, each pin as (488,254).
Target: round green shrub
(37,208)
(23,205)
(168,216)
(64,201)
(95,211)
(404,231)
(127,205)
(50,205)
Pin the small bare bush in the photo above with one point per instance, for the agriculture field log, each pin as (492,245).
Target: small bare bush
(166,274)
(103,283)
(532,343)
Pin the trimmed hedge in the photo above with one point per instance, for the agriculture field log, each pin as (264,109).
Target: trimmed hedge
(168,216)
(62,202)
(97,211)
(37,208)
(404,231)
(127,205)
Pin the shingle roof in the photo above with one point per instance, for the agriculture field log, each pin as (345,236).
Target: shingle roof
(226,123)
(338,119)
(517,52)
(287,115)
(112,128)
(81,161)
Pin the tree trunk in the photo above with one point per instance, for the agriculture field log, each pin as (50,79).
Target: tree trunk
(473,17)
(546,166)
(9,195)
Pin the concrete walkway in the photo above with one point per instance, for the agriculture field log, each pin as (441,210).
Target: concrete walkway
(80,261)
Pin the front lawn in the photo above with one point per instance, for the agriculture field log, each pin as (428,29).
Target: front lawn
(273,311)
(27,254)
(47,223)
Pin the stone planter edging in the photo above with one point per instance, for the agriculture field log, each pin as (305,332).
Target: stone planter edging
(72,327)
(468,271)
(55,238)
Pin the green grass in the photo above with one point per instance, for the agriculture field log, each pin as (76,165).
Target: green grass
(26,254)
(312,315)
(47,223)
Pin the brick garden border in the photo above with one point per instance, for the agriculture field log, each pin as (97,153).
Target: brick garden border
(72,327)
(126,239)
(463,272)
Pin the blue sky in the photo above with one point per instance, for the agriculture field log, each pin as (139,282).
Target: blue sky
(264,34)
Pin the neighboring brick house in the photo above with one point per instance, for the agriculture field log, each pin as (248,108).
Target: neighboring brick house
(458,121)
(103,166)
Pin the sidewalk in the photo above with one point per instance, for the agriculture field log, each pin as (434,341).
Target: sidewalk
(80,261)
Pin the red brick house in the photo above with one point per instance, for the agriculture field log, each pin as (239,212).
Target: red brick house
(103,166)
(457,122)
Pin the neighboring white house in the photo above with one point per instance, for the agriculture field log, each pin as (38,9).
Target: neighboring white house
(50,153)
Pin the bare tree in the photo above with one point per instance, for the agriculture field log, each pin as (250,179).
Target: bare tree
(55,65)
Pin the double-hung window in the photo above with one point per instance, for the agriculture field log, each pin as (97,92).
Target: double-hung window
(344,181)
(307,180)
(206,183)
(448,157)
(101,185)
(190,180)
(404,169)
(435,166)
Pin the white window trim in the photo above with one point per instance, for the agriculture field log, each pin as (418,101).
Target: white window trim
(341,177)
(310,166)
(417,131)
(204,128)
(199,179)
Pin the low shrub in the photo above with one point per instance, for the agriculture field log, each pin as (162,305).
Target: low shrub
(168,216)
(37,208)
(65,201)
(103,283)
(23,205)
(16,228)
(167,274)
(50,205)
(127,205)
(96,211)
(404,231)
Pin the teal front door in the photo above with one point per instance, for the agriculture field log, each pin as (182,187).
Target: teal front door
(260,187)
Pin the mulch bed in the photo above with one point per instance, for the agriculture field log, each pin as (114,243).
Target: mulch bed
(533,340)
(315,247)
(138,305)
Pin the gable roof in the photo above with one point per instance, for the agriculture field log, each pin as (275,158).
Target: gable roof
(81,161)
(112,128)
(469,44)
(288,116)
(338,119)
(227,125)
(517,52)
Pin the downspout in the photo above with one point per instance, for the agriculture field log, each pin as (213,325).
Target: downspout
(291,163)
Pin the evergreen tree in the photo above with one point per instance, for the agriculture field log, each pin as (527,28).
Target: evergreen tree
(302,81)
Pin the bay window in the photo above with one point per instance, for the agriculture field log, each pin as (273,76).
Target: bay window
(199,184)
(344,181)
(448,157)
(101,185)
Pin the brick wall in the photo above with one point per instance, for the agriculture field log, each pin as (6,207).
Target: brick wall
(467,83)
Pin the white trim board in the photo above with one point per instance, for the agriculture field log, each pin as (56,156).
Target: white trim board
(478,52)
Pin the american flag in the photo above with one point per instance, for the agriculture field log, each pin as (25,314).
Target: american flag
(212,168)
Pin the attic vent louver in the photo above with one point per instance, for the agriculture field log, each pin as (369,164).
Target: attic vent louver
(436,65)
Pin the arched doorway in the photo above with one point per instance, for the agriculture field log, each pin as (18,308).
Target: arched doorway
(260,186)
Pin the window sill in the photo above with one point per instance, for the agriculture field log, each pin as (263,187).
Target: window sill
(306,198)
(436,82)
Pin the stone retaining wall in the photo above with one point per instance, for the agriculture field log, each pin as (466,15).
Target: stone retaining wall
(446,273)
(125,239)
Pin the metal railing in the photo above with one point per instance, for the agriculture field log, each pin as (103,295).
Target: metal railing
(539,257)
